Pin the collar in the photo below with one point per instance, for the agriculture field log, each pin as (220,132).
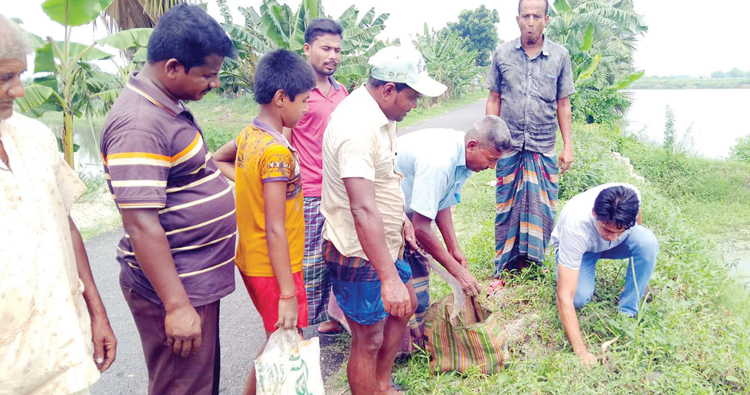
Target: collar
(334,83)
(273,132)
(461,159)
(545,45)
(156,96)
(372,110)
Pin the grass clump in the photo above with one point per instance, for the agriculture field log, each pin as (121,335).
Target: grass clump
(692,338)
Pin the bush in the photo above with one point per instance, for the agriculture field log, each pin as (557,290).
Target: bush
(741,149)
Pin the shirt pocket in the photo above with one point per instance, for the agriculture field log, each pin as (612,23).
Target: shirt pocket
(546,86)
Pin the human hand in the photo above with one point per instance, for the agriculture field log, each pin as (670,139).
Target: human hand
(460,258)
(183,329)
(288,310)
(409,235)
(565,159)
(468,283)
(105,343)
(587,358)
(396,300)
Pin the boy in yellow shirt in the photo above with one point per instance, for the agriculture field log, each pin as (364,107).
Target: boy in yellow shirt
(269,197)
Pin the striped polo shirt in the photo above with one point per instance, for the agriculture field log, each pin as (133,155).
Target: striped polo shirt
(155,158)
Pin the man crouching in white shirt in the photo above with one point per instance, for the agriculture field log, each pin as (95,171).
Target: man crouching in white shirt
(601,223)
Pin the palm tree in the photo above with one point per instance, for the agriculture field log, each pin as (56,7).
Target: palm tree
(131,14)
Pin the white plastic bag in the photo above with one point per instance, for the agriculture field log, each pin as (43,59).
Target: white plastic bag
(289,365)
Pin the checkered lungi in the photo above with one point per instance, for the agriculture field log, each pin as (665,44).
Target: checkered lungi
(317,280)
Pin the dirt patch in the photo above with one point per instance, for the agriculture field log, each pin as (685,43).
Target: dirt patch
(95,213)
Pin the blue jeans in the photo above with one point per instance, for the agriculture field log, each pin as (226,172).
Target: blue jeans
(642,246)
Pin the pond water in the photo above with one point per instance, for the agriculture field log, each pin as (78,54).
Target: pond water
(716,118)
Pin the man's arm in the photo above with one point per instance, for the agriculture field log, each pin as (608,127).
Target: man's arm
(493,104)
(182,323)
(369,225)
(225,157)
(105,343)
(564,119)
(444,221)
(274,201)
(432,245)
(567,282)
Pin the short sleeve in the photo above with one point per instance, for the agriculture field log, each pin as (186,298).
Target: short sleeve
(571,248)
(429,188)
(565,84)
(493,78)
(355,155)
(138,164)
(70,186)
(276,164)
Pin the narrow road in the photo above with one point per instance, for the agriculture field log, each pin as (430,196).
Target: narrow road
(241,326)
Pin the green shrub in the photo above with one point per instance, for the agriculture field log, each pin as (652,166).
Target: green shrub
(741,149)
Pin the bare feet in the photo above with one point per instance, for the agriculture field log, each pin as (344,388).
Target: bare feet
(389,391)
(329,327)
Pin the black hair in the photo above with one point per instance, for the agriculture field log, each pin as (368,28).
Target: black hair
(190,35)
(617,205)
(376,83)
(321,26)
(285,70)
(546,7)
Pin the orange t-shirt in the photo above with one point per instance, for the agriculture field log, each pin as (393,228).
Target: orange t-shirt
(265,156)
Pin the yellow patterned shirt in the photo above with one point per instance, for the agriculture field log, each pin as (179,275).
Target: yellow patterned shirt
(264,155)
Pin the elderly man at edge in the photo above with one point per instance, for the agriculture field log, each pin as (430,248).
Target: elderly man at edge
(435,164)
(55,336)
(530,82)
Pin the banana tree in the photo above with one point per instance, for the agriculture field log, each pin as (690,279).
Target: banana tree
(276,25)
(448,59)
(66,66)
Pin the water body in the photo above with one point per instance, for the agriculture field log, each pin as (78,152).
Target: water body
(718,116)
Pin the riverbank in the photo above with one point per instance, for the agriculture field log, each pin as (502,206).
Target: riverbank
(691,339)
(690,83)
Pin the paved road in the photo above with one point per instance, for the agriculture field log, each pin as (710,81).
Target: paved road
(241,326)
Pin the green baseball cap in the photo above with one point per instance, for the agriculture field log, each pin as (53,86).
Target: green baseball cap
(406,65)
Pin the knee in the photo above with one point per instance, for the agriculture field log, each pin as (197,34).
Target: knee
(369,341)
(644,242)
(581,300)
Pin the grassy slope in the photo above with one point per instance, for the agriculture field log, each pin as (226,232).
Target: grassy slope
(691,339)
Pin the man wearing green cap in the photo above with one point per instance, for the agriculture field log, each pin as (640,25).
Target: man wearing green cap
(363,205)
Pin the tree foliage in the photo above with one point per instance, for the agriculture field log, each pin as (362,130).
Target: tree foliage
(277,26)
(448,59)
(601,36)
(477,27)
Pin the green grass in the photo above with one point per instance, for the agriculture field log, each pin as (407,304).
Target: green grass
(691,339)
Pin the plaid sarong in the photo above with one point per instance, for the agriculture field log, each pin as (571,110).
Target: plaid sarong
(317,281)
(420,278)
(526,206)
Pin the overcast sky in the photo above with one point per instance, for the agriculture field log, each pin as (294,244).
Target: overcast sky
(682,39)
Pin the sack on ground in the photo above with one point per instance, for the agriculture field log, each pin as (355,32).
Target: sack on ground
(289,365)
(471,339)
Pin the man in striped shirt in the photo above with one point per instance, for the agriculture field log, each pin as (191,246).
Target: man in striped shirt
(177,254)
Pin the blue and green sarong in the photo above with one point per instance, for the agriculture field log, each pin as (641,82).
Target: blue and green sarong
(526,206)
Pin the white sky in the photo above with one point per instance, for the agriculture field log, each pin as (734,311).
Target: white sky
(682,39)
